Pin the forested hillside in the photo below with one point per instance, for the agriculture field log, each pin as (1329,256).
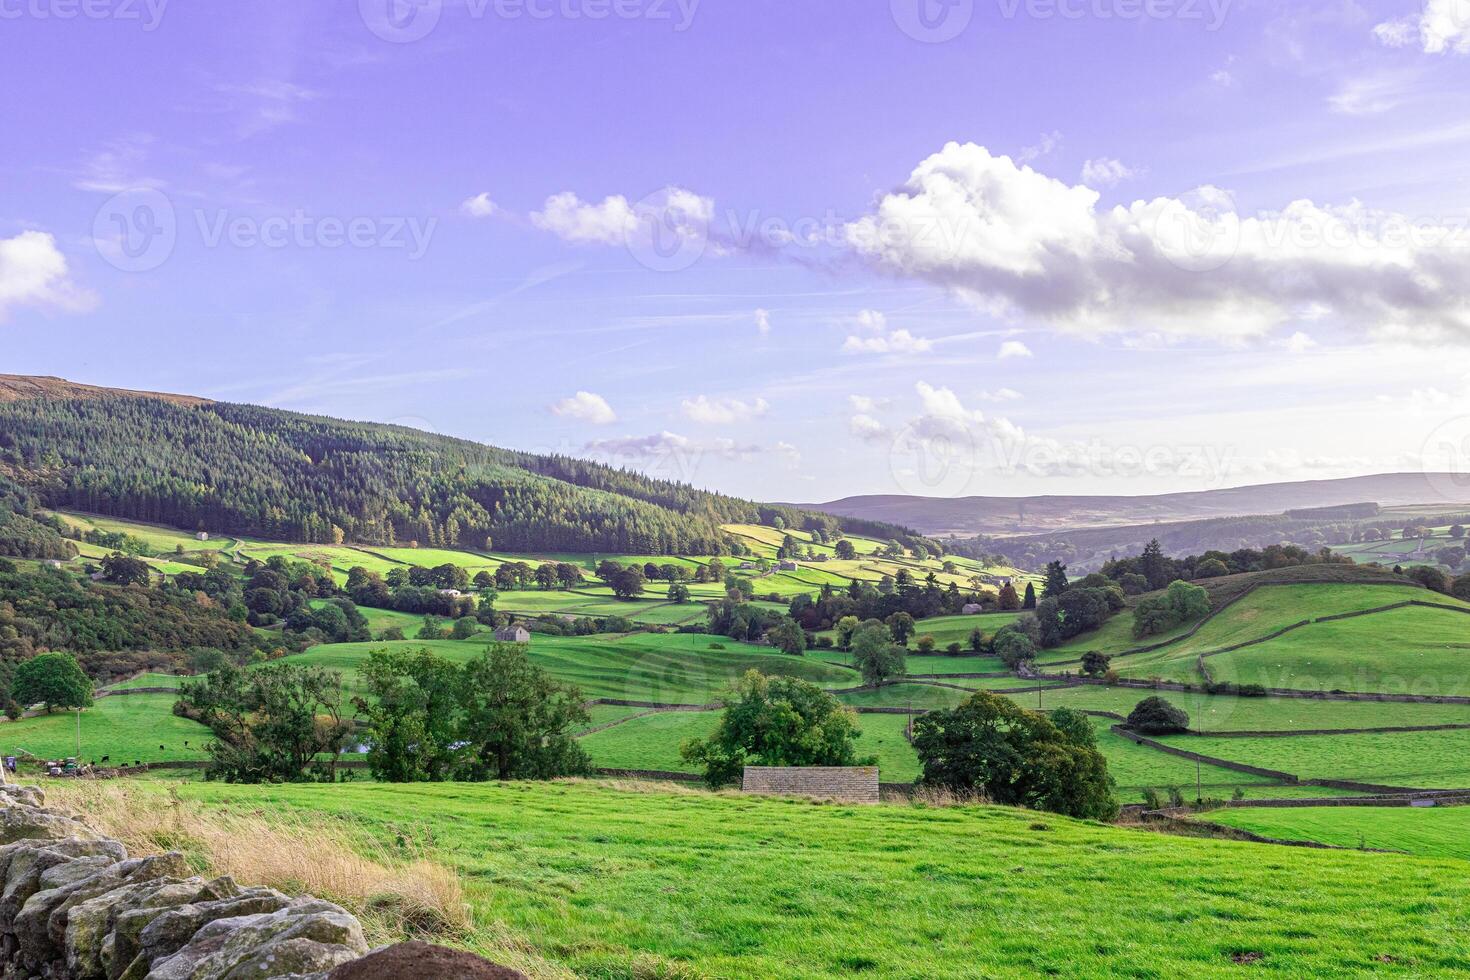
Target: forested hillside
(240,469)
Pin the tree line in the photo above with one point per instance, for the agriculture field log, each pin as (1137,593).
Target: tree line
(241,469)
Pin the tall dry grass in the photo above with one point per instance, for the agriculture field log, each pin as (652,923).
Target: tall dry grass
(408,895)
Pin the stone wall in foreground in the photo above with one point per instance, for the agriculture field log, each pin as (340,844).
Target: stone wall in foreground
(845,784)
(75,906)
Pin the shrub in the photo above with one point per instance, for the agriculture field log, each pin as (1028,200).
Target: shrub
(776,721)
(926,643)
(954,649)
(1152,798)
(1014,647)
(1155,716)
(1181,603)
(1095,664)
(1016,757)
(1431,578)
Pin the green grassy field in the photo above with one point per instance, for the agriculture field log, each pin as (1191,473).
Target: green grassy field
(147,680)
(653,741)
(957,629)
(127,728)
(669,668)
(1402,651)
(613,883)
(1420,760)
(1262,613)
(1226,713)
(1439,832)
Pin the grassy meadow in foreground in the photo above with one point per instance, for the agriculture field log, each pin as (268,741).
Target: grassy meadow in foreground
(613,883)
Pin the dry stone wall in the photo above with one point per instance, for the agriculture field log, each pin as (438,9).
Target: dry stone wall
(75,906)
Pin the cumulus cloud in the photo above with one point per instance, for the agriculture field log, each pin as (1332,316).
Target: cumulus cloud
(33,272)
(788,454)
(1002,234)
(894,342)
(867,428)
(479,206)
(1013,348)
(587,406)
(1441,26)
(722,411)
(1105,172)
(872,320)
(763,321)
(616,221)
(866,404)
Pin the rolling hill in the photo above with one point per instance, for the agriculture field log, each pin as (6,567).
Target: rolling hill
(242,469)
(1030,515)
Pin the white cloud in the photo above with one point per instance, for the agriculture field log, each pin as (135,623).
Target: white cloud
(1106,171)
(867,428)
(1043,147)
(479,206)
(898,342)
(116,167)
(789,454)
(866,405)
(722,411)
(569,217)
(763,321)
(1298,343)
(33,272)
(614,221)
(1003,235)
(944,403)
(670,452)
(1222,78)
(1013,348)
(1001,395)
(1442,26)
(872,320)
(1368,95)
(587,406)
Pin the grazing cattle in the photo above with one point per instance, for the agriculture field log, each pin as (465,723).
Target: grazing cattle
(107,758)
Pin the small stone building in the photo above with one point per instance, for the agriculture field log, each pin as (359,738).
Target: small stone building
(971,608)
(841,784)
(513,634)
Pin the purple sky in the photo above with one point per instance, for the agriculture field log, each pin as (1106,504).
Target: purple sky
(1079,246)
